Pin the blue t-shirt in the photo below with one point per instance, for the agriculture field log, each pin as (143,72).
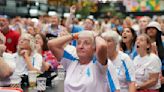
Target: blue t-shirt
(132,54)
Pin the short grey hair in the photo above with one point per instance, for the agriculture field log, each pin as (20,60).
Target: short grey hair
(30,38)
(112,34)
(86,33)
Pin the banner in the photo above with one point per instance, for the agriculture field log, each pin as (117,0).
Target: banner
(142,5)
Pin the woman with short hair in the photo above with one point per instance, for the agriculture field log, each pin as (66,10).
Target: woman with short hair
(83,73)
(26,59)
(122,62)
(147,66)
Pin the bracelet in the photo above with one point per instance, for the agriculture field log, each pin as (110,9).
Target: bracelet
(75,36)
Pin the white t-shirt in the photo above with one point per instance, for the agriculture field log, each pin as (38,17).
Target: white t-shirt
(146,65)
(84,78)
(125,70)
(112,77)
(21,66)
(9,59)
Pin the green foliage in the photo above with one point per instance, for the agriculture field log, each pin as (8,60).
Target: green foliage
(85,11)
(85,8)
(112,10)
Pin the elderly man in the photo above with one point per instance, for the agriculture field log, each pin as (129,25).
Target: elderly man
(54,28)
(11,36)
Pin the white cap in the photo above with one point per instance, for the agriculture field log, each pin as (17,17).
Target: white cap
(155,25)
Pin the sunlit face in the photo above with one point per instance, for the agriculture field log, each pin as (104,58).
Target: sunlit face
(88,24)
(85,47)
(39,40)
(143,22)
(127,35)
(142,44)
(151,32)
(24,43)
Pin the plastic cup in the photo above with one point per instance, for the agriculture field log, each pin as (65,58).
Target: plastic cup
(41,84)
(32,78)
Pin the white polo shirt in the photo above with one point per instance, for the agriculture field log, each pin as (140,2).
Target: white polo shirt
(125,70)
(83,78)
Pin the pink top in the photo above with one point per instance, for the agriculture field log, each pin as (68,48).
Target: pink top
(50,58)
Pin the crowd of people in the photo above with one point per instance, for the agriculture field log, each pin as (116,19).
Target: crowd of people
(105,55)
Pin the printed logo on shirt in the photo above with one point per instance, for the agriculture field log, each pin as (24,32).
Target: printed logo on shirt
(88,72)
(9,40)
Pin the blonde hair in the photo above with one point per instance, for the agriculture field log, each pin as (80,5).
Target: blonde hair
(145,17)
(2,38)
(30,38)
